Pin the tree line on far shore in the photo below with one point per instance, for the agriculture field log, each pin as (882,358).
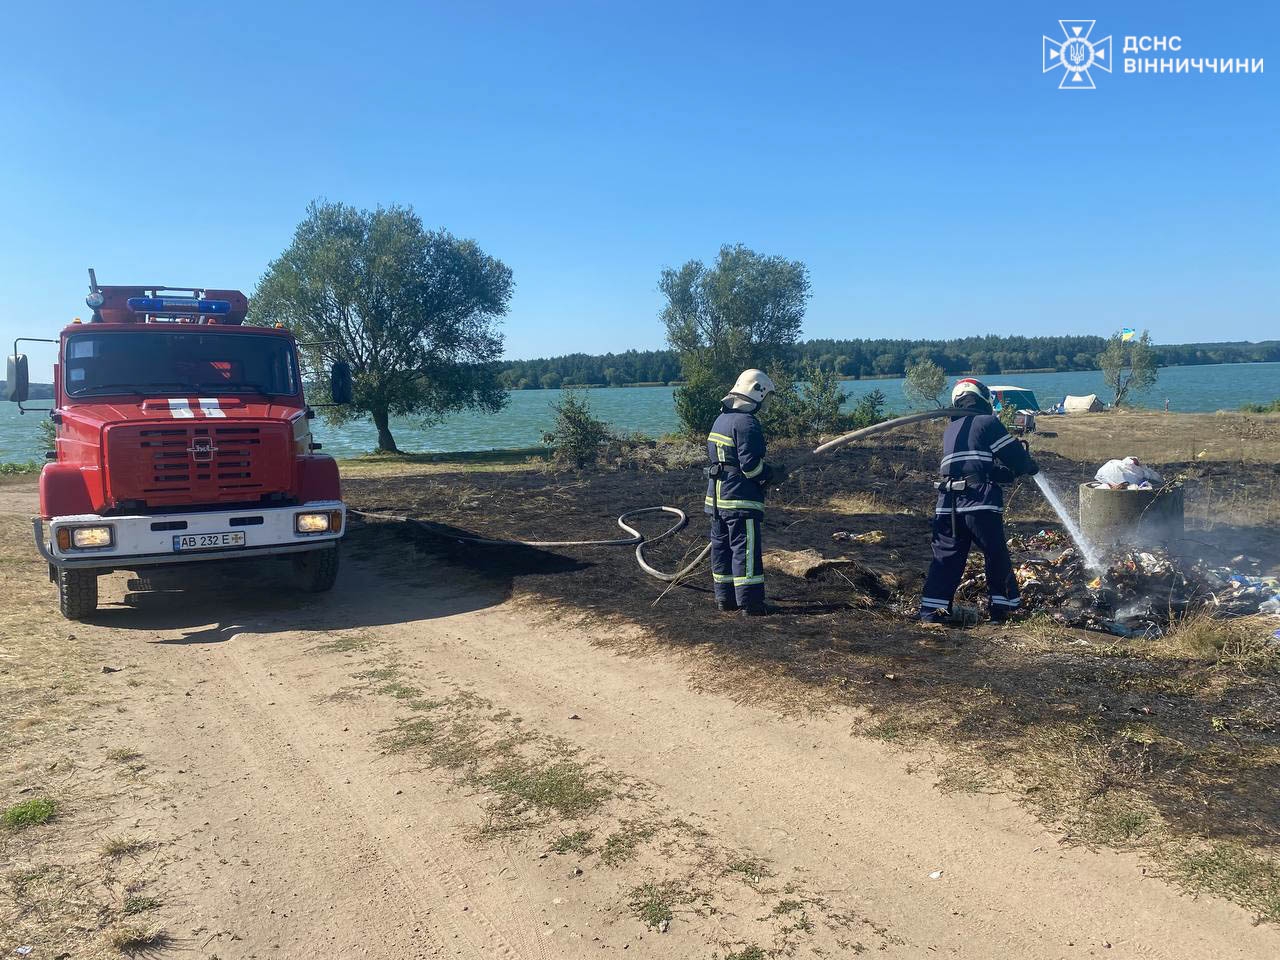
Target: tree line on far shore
(414,313)
(862,358)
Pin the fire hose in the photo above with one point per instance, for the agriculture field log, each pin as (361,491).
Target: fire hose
(636,538)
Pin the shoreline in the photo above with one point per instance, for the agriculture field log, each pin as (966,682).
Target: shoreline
(497,457)
(884,376)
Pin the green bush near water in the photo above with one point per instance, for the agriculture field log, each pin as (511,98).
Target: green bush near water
(19,469)
(813,407)
(577,435)
(1272,407)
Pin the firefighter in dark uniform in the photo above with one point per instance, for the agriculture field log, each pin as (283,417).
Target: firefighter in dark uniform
(736,482)
(978,455)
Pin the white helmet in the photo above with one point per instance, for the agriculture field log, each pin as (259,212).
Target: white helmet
(753,386)
(970,386)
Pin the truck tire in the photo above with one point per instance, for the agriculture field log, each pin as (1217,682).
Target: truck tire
(317,569)
(77,593)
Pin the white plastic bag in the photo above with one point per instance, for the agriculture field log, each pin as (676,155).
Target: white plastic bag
(1129,470)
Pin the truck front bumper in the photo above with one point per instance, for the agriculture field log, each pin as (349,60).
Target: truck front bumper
(147,541)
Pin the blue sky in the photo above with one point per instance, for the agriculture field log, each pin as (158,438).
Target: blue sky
(914,156)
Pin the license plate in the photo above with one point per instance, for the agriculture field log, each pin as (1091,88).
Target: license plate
(207,541)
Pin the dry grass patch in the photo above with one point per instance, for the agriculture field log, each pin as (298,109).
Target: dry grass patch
(133,905)
(345,643)
(114,848)
(427,464)
(134,939)
(623,844)
(559,785)
(576,842)
(851,504)
(1230,870)
(1245,642)
(751,870)
(653,904)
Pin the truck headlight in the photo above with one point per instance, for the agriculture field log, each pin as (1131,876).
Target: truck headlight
(311,522)
(88,538)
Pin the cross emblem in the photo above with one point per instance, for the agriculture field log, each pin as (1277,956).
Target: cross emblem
(1076,55)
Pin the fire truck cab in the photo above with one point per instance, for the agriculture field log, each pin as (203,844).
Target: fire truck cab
(182,436)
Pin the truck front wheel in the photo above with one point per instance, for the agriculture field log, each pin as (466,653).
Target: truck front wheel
(77,593)
(317,569)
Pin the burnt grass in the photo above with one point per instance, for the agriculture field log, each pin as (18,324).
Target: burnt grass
(1107,740)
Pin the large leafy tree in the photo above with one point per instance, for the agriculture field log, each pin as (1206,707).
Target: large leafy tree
(414,311)
(744,311)
(1128,366)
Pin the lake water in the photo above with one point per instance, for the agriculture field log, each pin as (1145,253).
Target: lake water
(650,410)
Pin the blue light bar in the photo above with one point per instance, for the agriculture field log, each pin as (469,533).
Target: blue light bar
(177,305)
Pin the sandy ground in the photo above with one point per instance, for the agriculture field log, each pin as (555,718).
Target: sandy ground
(280,823)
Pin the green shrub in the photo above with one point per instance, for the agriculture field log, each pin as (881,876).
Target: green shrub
(17,469)
(577,435)
(1272,407)
(801,411)
(46,437)
(867,412)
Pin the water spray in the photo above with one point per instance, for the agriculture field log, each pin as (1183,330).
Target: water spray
(1087,550)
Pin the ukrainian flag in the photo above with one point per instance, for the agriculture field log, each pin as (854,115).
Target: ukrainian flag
(1127,334)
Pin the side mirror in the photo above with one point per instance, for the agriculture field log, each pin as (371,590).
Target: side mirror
(17,386)
(341,387)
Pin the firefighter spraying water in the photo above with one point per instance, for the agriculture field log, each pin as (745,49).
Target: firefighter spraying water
(978,455)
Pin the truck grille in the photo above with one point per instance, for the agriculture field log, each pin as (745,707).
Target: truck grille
(164,465)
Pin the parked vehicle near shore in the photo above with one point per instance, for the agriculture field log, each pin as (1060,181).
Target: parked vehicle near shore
(1024,403)
(181,436)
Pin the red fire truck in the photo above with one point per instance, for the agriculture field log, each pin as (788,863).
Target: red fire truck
(182,436)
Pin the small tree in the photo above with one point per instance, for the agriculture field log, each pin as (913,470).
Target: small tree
(46,438)
(925,384)
(800,412)
(1128,367)
(413,311)
(867,411)
(743,312)
(577,435)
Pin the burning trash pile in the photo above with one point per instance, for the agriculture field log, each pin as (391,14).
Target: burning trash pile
(1138,595)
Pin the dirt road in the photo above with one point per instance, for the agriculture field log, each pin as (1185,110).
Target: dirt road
(418,766)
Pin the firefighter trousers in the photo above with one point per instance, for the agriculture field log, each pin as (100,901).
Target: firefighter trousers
(950,552)
(737,569)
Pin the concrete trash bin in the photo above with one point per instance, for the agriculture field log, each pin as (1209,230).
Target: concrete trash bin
(1139,518)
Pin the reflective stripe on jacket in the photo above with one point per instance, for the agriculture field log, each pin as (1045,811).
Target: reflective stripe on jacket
(979,450)
(737,441)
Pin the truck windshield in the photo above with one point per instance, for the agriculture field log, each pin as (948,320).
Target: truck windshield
(98,364)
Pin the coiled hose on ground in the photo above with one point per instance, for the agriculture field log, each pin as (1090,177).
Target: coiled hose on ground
(636,538)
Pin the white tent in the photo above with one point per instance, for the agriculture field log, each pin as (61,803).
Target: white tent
(1089,404)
